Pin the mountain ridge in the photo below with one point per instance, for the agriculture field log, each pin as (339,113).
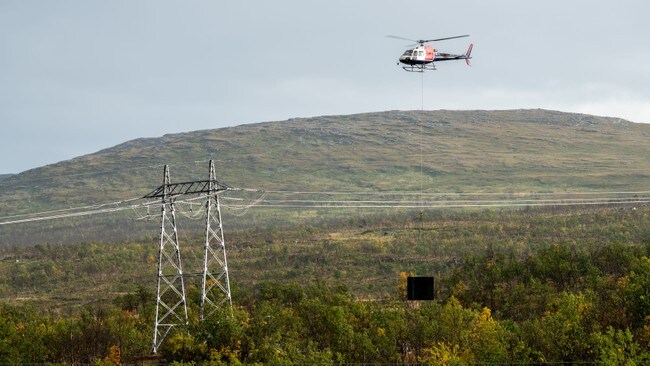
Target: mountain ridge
(576,120)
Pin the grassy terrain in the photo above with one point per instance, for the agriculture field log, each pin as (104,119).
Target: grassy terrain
(367,254)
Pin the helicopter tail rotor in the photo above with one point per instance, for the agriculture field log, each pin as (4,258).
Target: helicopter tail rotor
(468,53)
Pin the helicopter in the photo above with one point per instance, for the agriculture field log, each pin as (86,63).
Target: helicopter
(422,58)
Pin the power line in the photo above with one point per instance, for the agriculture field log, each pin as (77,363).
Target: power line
(520,199)
(602,199)
(75,214)
(529,193)
(95,206)
(451,205)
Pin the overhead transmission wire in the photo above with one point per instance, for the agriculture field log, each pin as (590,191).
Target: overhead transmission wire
(95,206)
(265,193)
(323,205)
(86,210)
(405,193)
(111,207)
(548,198)
(37,217)
(565,199)
(243,208)
(579,200)
(523,199)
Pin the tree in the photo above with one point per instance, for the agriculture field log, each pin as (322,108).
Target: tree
(441,354)
(638,292)
(562,334)
(617,347)
(327,325)
(488,339)
(223,333)
(454,321)
(184,347)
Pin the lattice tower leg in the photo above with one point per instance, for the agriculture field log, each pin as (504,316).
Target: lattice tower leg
(171,308)
(215,283)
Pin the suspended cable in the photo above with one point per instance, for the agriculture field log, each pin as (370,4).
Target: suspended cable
(452,205)
(421,140)
(243,204)
(604,199)
(95,206)
(413,193)
(244,208)
(72,214)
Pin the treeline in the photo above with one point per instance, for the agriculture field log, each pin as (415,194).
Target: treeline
(562,304)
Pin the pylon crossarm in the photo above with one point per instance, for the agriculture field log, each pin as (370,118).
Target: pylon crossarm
(174,190)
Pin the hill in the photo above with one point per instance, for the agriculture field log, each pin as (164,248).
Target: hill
(404,151)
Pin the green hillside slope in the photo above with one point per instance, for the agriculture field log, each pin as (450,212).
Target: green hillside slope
(405,151)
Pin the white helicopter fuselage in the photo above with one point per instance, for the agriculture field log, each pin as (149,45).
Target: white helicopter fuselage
(418,55)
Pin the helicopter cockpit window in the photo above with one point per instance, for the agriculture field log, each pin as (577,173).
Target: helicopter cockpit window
(407,53)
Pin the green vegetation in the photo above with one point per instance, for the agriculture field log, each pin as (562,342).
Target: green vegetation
(528,286)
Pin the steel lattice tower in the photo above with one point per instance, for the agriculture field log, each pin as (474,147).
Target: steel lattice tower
(215,284)
(170,294)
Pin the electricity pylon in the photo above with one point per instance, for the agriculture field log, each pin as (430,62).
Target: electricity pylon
(171,306)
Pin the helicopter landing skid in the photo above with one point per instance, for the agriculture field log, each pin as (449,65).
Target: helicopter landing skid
(420,68)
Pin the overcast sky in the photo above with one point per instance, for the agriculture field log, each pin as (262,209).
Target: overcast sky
(80,76)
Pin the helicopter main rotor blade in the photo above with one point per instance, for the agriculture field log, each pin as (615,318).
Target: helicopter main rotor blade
(423,41)
(440,39)
(402,38)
